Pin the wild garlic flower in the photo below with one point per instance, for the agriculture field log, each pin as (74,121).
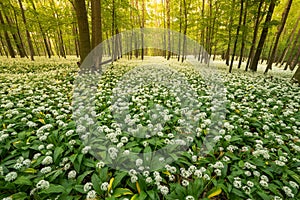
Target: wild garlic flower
(11,176)
(42,184)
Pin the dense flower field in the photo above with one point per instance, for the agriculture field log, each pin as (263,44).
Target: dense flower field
(43,156)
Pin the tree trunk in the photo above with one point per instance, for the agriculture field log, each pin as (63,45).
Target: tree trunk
(288,43)
(83,26)
(180,30)
(293,49)
(96,23)
(7,39)
(142,27)
(237,35)
(184,30)
(3,46)
(227,55)
(19,34)
(280,29)
(263,36)
(168,27)
(42,31)
(15,36)
(27,32)
(295,59)
(202,31)
(256,26)
(243,36)
(296,76)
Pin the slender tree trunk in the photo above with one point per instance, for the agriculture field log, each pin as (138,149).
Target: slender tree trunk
(256,26)
(295,59)
(202,30)
(184,30)
(263,36)
(142,27)
(3,46)
(296,76)
(42,31)
(76,43)
(243,36)
(288,43)
(293,49)
(19,34)
(27,32)
(96,23)
(7,39)
(168,27)
(180,30)
(237,35)
(280,29)
(83,26)
(227,55)
(15,36)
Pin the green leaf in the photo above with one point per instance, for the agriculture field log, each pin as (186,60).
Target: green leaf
(295,176)
(96,182)
(263,195)
(118,192)
(19,196)
(53,189)
(56,174)
(142,195)
(79,188)
(118,178)
(82,176)
(23,180)
(57,153)
(151,194)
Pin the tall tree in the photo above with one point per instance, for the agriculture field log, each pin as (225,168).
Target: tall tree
(227,55)
(31,50)
(263,36)
(83,26)
(296,76)
(96,23)
(41,30)
(288,43)
(168,27)
(280,29)
(7,39)
(243,35)
(256,26)
(237,35)
(185,13)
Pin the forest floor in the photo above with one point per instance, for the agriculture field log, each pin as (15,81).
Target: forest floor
(218,135)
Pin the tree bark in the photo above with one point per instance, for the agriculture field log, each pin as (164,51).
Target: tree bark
(31,50)
(227,55)
(237,35)
(7,39)
(19,33)
(280,29)
(256,26)
(294,47)
(288,43)
(168,27)
(83,26)
(243,36)
(184,30)
(296,76)
(180,30)
(263,36)
(42,31)
(295,59)
(96,23)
